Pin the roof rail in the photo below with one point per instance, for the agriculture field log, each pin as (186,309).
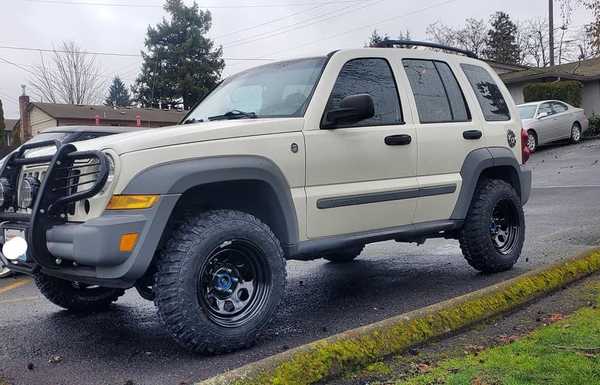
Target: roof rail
(392,43)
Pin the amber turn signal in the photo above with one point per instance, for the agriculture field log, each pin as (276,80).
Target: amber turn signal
(128,242)
(131,202)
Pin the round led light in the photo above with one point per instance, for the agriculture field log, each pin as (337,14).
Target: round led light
(5,192)
(29,190)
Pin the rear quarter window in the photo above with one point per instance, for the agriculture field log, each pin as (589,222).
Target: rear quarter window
(490,98)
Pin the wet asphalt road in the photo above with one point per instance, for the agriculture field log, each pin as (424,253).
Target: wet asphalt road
(128,343)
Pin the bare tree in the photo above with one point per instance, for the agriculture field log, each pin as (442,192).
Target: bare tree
(534,42)
(72,77)
(471,37)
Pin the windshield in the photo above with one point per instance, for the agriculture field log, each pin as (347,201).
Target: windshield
(527,112)
(273,90)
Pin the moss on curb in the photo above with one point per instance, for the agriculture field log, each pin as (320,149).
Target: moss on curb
(360,347)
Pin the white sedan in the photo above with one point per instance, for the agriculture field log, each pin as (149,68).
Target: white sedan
(551,120)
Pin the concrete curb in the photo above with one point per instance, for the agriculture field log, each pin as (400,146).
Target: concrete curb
(335,355)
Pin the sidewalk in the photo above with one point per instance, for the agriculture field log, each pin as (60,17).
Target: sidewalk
(554,341)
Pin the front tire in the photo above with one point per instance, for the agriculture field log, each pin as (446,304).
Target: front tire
(575,133)
(219,281)
(75,296)
(494,231)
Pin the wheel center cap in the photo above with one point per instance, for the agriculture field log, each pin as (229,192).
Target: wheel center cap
(224,282)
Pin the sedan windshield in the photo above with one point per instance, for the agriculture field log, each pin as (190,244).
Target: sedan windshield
(274,90)
(527,112)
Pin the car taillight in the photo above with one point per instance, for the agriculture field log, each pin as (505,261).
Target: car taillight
(525,153)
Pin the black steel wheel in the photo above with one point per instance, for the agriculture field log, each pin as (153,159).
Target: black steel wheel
(494,231)
(234,283)
(504,226)
(219,281)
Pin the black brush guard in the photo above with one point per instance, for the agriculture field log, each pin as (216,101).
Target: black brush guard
(60,189)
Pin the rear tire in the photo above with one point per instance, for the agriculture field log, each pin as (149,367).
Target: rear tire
(76,297)
(575,133)
(494,231)
(346,255)
(219,281)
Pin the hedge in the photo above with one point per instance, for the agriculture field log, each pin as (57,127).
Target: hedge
(568,91)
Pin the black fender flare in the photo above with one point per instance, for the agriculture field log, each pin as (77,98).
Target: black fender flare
(476,162)
(178,176)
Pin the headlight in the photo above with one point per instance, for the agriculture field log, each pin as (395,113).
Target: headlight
(29,189)
(111,173)
(5,193)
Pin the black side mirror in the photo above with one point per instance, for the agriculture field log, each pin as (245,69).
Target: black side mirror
(353,109)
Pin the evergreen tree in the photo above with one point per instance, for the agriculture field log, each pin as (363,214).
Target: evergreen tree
(182,65)
(501,40)
(376,38)
(118,95)
(2,126)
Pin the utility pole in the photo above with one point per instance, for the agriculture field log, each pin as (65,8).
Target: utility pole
(551,34)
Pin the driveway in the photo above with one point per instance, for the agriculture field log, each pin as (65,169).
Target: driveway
(127,345)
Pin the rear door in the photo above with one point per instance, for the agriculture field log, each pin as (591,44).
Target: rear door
(446,133)
(356,179)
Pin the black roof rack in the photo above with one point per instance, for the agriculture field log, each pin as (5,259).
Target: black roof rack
(392,43)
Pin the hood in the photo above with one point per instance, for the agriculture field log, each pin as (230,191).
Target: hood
(189,133)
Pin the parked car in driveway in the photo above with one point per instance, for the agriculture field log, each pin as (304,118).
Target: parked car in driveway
(548,121)
(68,134)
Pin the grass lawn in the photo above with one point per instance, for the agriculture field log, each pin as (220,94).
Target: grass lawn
(564,353)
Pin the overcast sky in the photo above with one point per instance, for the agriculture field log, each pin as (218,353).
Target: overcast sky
(266,29)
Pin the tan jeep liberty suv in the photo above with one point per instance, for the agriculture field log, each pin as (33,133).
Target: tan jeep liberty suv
(299,159)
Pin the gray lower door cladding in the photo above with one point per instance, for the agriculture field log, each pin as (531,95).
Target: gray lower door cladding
(385,196)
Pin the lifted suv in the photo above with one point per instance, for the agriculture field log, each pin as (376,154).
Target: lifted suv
(302,159)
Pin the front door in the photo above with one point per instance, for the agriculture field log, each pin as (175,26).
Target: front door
(361,176)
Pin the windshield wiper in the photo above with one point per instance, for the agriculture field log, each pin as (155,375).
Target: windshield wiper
(235,114)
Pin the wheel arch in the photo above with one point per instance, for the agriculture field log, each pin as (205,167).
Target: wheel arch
(493,162)
(247,183)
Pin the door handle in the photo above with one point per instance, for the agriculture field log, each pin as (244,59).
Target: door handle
(472,134)
(398,140)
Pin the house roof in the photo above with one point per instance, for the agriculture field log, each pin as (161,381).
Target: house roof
(585,70)
(89,112)
(9,124)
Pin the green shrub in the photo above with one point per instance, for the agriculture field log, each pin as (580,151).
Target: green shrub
(594,128)
(568,91)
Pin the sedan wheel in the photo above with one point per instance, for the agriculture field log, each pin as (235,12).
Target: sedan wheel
(5,271)
(531,141)
(575,133)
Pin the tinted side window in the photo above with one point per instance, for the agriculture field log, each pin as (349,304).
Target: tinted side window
(373,77)
(490,98)
(460,111)
(437,93)
(427,87)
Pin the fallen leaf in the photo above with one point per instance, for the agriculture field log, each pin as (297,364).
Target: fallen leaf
(555,318)
(423,368)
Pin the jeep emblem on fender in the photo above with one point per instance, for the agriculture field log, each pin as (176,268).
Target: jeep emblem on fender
(511,138)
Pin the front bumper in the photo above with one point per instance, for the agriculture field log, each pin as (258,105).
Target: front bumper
(89,252)
(85,252)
